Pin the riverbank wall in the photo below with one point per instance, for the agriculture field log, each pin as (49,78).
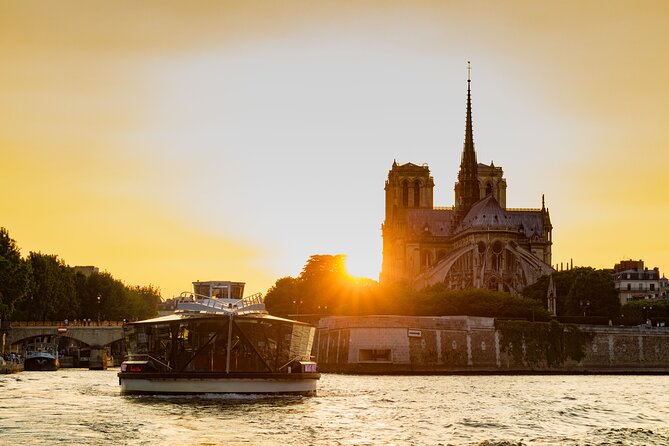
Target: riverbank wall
(477,345)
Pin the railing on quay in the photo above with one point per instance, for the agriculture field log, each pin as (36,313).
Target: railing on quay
(15,324)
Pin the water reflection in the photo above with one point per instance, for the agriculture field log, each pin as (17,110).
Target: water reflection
(83,407)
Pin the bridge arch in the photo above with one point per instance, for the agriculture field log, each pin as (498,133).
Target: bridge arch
(89,335)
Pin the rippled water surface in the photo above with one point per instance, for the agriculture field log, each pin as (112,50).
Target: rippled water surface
(76,406)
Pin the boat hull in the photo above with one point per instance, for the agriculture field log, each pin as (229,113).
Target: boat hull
(41,364)
(203,383)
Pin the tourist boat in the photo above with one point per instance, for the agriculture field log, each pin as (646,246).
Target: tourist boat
(218,342)
(41,356)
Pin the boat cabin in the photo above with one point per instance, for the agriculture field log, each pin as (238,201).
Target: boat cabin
(219,289)
(206,343)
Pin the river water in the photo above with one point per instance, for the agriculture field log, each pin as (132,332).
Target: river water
(82,407)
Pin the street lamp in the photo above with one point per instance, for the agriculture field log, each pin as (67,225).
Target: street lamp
(585,307)
(297,304)
(646,311)
(99,296)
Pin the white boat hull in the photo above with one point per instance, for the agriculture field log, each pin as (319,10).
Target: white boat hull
(202,385)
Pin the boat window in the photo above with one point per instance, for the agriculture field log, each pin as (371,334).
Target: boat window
(201,288)
(256,345)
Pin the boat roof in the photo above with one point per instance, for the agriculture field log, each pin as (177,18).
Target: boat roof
(185,316)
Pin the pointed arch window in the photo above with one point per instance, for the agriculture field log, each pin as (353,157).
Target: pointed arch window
(405,193)
(488,189)
(416,194)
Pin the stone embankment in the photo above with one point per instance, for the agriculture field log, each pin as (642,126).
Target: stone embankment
(461,344)
(7,367)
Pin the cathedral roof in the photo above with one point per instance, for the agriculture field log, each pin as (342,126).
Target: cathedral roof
(436,222)
(487,213)
(409,166)
(528,222)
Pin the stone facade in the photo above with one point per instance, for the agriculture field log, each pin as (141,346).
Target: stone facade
(633,281)
(477,243)
(462,344)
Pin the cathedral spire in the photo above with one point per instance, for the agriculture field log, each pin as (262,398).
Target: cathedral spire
(468,175)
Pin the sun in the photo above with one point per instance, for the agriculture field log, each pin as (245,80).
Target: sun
(363,265)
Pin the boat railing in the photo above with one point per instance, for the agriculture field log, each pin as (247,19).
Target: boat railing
(152,359)
(295,358)
(197,302)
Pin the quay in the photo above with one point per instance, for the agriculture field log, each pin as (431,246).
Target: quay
(82,344)
(7,367)
(481,345)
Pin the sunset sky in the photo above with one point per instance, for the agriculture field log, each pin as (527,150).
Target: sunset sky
(172,141)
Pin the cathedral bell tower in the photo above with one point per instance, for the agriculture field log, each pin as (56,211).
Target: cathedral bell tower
(467,189)
(409,187)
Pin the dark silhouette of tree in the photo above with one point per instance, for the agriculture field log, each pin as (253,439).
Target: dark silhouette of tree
(640,311)
(580,291)
(15,276)
(280,297)
(437,300)
(42,287)
(324,287)
(54,296)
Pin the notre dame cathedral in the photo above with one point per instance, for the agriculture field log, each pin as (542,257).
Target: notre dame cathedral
(477,243)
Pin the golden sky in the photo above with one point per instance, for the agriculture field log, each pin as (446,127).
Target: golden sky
(173,141)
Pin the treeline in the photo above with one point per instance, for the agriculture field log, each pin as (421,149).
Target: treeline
(581,292)
(325,288)
(42,287)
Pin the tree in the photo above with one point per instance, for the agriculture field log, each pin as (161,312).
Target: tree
(324,267)
(280,297)
(54,296)
(15,276)
(142,302)
(579,290)
(104,298)
(640,311)
(323,287)
(593,293)
(437,300)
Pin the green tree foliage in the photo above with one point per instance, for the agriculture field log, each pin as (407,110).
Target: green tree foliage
(15,275)
(280,297)
(579,290)
(438,300)
(640,311)
(106,297)
(54,296)
(43,288)
(143,301)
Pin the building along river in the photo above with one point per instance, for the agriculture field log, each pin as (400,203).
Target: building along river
(78,406)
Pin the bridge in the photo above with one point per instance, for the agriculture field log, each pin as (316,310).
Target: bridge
(93,334)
